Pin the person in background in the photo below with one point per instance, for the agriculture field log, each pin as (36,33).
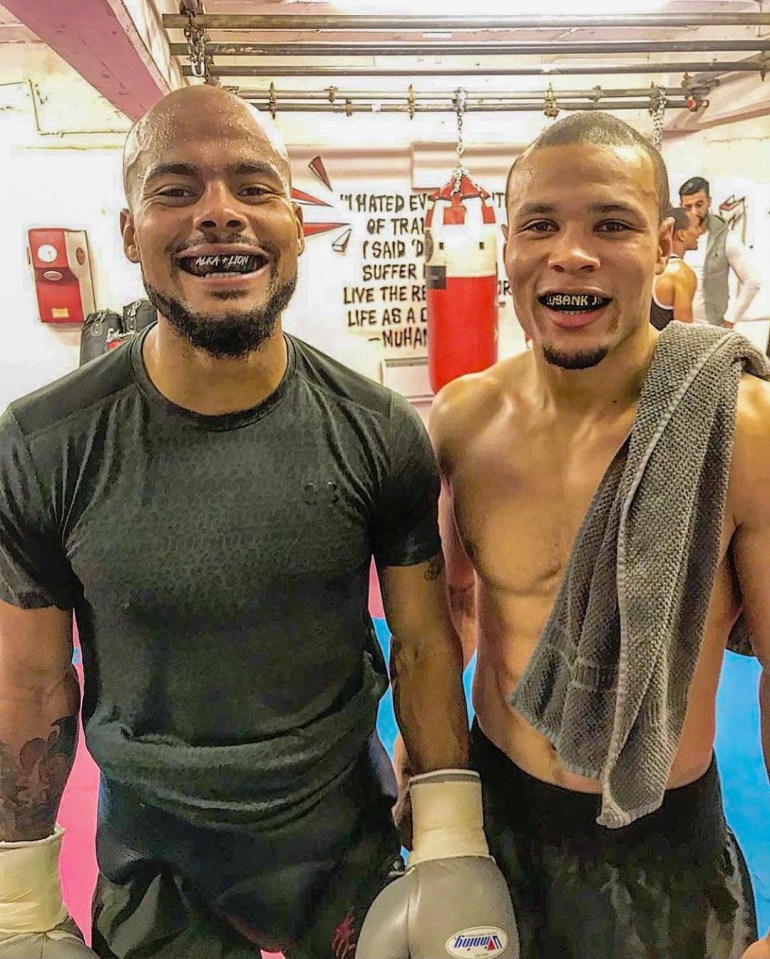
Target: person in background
(673,289)
(719,252)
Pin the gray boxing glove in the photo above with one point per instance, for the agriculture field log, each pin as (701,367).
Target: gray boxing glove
(453,900)
(34,923)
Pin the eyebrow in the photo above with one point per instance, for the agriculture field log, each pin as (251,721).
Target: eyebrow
(167,169)
(534,209)
(614,208)
(259,168)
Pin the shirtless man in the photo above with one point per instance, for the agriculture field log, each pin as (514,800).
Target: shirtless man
(522,448)
(720,253)
(673,290)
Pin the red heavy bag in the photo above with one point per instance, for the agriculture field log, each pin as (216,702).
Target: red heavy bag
(460,281)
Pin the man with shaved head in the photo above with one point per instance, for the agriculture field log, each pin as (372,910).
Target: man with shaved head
(605,522)
(208,501)
(148,166)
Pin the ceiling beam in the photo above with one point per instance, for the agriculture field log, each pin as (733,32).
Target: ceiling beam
(490,48)
(757,65)
(514,106)
(671,21)
(333,94)
(99,39)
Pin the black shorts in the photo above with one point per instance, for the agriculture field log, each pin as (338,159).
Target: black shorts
(671,885)
(168,890)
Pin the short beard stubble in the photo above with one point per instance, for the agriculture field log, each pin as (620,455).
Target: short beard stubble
(230,335)
(575,361)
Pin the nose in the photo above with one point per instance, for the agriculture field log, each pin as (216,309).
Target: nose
(572,253)
(219,209)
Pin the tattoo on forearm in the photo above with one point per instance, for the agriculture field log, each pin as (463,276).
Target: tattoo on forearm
(435,567)
(32,782)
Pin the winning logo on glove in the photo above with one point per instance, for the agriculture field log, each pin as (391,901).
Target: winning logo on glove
(478,943)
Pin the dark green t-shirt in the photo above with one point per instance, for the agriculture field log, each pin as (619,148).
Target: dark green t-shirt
(218,569)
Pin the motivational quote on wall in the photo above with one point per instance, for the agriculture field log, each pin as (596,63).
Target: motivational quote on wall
(388,298)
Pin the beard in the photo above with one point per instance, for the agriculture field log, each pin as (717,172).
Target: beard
(225,334)
(583,360)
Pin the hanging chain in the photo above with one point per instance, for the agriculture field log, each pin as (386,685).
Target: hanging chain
(196,37)
(272,100)
(550,108)
(460,106)
(410,102)
(658,113)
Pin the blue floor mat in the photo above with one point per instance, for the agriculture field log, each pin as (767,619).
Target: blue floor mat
(739,756)
(742,770)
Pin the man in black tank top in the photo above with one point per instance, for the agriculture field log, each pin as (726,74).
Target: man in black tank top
(673,291)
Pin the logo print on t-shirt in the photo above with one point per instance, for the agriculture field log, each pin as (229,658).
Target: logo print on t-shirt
(344,941)
(321,494)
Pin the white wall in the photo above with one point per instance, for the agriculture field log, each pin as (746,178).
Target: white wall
(53,176)
(61,188)
(75,190)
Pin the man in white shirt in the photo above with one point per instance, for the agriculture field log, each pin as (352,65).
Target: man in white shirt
(720,252)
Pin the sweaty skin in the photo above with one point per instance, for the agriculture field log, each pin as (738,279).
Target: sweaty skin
(523,446)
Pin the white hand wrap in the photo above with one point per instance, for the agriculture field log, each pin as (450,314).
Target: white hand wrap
(447,816)
(30,889)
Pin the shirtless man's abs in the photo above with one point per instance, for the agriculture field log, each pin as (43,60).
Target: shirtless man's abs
(518,480)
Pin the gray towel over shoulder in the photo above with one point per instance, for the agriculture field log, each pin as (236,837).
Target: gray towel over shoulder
(609,679)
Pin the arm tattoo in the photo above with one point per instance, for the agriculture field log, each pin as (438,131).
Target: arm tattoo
(435,567)
(32,783)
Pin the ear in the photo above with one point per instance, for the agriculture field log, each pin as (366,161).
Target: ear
(300,233)
(130,247)
(665,242)
(504,227)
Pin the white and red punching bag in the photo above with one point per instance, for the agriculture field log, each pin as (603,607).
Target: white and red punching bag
(460,280)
